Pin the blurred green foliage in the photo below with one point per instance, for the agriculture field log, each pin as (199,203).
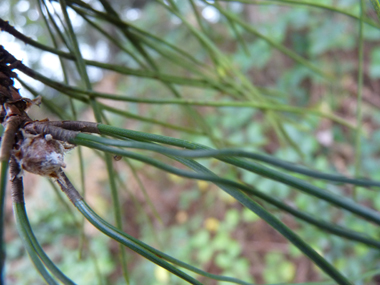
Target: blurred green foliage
(325,38)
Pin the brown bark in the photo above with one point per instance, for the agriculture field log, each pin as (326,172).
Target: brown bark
(68,188)
(17,188)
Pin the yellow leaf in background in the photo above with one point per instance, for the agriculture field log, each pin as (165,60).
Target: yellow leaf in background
(230,200)
(227,198)
(161,274)
(211,224)
(181,217)
(202,185)
(324,107)
(288,271)
(175,178)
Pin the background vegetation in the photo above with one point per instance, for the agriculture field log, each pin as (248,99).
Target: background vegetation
(292,79)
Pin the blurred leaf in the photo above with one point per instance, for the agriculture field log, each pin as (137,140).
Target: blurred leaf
(374,68)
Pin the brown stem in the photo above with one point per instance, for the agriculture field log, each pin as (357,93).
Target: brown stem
(12,125)
(79,126)
(6,27)
(61,130)
(56,132)
(68,188)
(17,188)
(14,63)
